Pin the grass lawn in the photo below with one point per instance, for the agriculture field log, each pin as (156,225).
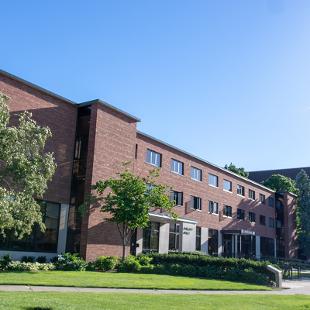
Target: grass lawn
(93,301)
(120,280)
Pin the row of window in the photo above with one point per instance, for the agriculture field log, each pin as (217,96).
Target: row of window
(177,167)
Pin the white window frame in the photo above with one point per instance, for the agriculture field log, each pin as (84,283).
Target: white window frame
(154,158)
(227,182)
(177,167)
(196,174)
(217,180)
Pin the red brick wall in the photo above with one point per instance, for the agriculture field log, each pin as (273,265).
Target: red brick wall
(201,189)
(60,117)
(112,142)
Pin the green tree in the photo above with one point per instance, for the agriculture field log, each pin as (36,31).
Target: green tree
(233,168)
(24,172)
(303,211)
(281,183)
(128,198)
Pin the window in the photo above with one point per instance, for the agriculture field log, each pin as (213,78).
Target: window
(37,241)
(262,198)
(213,242)
(262,220)
(227,211)
(251,194)
(240,214)
(213,180)
(213,207)
(177,166)
(240,190)
(252,217)
(153,158)
(177,197)
(151,238)
(271,202)
(198,238)
(196,174)
(227,185)
(196,203)
(174,237)
(271,222)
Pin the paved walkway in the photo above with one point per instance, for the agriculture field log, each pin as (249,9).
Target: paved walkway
(289,288)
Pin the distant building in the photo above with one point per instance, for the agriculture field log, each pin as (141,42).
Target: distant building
(220,212)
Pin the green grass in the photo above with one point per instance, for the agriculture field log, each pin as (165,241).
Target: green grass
(93,301)
(120,280)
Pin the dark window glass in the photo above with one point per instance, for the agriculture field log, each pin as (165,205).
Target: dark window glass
(153,158)
(267,247)
(262,198)
(262,220)
(196,174)
(271,222)
(177,197)
(271,202)
(213,242)
(37,241)
(227,211)
(174,237)
(213,180)
(196,202)
(251,194)
(198,238)
(252,217)
(240,190)
(177,166)
(227,186)
(240,214)
(151,238)
(213,207)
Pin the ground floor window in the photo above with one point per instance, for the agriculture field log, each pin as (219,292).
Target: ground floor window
(267,247)
(198,238)
(174,237)
(213,242)
(37,241)
(151,238)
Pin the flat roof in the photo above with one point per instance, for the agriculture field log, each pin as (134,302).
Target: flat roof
(205,161)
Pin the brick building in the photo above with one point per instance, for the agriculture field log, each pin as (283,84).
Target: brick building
(219,212)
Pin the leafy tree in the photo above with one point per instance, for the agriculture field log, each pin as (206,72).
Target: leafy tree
(235,169)
(128,199)
(24,172)
(281,183)
(303,211)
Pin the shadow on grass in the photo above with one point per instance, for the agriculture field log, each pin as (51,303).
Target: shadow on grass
(38,308)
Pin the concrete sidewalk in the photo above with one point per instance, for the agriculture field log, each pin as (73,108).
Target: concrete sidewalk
(289,288)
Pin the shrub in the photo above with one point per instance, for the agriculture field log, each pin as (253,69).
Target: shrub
(129,264)
(28,259)
(23,266)
(71,262)
(144,260)
(41,259)
(105,263)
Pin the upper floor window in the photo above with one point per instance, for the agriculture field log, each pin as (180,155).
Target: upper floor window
(262,198)
(153,158)
(177,166)
(213,180)
(251,194)
(271,202)
(240,190)
(271,222)
(196,174)
(262,220)
(227,185)
(196,203)
(227,211)
(252,217)
(177,197)
(240,214)
(213,207)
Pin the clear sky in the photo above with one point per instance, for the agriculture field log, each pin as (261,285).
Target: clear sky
(226,80)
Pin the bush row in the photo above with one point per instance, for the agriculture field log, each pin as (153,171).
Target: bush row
(172,264)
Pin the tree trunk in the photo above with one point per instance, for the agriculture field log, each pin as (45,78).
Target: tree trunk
(124,243)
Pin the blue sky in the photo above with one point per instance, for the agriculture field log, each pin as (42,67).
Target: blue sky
(226,80)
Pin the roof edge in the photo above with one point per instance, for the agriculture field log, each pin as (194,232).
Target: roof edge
(35,86)
(104,103)
(205,161)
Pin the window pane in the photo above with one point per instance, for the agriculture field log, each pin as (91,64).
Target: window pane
(196,174)
(227,185)
(177,166)
(153,158)
(213,180)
